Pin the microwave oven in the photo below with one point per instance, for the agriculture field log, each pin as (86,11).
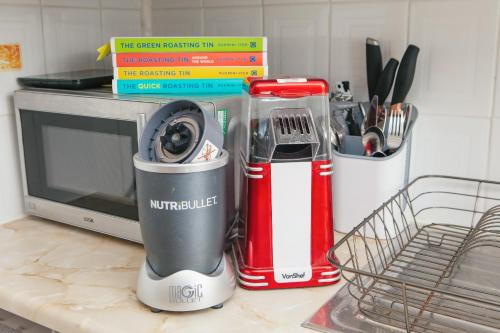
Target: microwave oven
(76,151)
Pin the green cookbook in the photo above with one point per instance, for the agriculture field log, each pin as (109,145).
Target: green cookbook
(188,44)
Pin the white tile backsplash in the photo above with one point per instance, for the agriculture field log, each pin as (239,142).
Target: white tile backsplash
(166,4)
(72,3)
(351,24)
(177,22)
(454,85)
(494,163)
(230,3)
(20,2)
(119,22)
(456,66)
(282,2)
(121,4)
(298,39)
(72,36)
(11,202)
(233,21)
(456,146)
(496,100)
(371,1)
(23,26)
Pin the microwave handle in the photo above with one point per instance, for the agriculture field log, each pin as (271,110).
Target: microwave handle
(141,122)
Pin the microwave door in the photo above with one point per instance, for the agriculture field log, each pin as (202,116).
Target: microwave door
(81,161)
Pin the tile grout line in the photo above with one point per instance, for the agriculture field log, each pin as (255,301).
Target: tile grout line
(413,143)
(316,2)
(408,23)
(453,116)
(44,49)
(264,33)
(494,99)
(8,114)
(202,17)
(232,6)
(261,7)
(330,44)
(100,64)
(101,23)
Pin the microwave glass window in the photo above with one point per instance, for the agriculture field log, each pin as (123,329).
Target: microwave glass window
(101,160)
(81,161)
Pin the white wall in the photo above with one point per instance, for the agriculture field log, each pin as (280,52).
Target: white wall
(458,132)
(55,35)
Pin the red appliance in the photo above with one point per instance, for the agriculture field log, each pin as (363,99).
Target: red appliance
(286,220)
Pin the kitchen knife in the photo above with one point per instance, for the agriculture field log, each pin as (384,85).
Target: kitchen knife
(404,78)
(373,65)
(370,115)
(386,80)
(384,86)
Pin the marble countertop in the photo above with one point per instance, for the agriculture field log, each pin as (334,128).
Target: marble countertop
(76,281)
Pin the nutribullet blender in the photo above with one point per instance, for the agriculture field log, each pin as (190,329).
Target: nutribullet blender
(181,192)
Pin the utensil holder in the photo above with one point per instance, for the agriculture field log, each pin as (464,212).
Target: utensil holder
(361,183)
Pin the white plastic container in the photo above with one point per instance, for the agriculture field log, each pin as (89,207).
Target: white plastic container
(361,184)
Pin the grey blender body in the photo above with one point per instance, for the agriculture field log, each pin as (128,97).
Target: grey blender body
(181,216)
(181,193)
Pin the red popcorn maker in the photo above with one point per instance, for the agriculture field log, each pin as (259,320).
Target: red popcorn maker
(286,219)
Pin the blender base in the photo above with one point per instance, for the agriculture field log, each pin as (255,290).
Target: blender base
(186,290)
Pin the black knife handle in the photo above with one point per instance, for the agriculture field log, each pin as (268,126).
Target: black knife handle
(373,64)
(386,80)
(406,72)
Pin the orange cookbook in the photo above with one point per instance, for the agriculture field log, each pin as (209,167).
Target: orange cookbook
(189,59)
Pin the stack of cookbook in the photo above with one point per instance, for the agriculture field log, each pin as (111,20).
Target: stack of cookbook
(186,65)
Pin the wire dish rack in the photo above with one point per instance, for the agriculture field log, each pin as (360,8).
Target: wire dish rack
(428,260)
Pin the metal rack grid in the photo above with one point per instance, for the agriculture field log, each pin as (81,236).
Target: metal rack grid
(423,276)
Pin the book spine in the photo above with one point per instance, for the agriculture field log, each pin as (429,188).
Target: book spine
(188,44)
(190,59)
(181,87)
(132,73)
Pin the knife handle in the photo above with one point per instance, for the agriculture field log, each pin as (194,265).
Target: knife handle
(386,80)
(373,65)
(406,72)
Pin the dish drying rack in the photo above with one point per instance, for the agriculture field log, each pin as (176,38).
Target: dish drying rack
(428,259)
